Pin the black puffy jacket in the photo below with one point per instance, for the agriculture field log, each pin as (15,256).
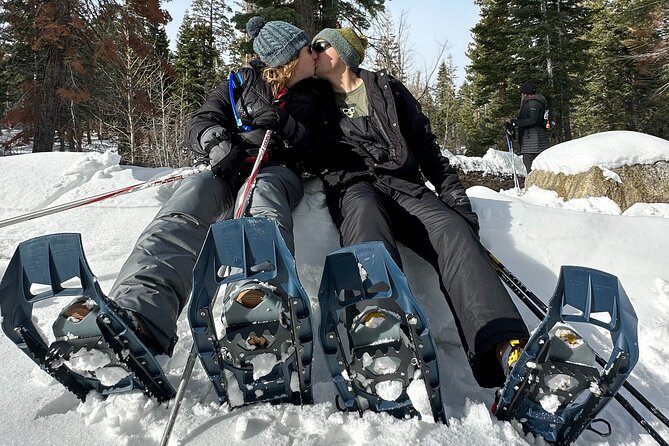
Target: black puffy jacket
(294,152)
(532,133)
(404,132)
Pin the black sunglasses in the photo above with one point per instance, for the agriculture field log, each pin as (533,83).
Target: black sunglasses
(320,46)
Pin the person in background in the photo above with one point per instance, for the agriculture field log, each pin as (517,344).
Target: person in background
(375,191)
(532,133)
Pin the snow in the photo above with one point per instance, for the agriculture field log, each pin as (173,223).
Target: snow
(494,161)
(533,234)
(606,150)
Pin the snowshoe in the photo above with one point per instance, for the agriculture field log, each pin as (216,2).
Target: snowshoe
(264,343)
(375,337)
(94,348)
(555,389)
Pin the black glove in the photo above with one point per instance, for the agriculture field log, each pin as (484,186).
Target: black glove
(223,157)
(459,201)
(271,117)
(248,143)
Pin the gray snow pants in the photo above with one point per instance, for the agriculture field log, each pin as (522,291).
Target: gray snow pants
(156,279)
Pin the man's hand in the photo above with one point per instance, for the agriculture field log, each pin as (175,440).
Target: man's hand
(460,203)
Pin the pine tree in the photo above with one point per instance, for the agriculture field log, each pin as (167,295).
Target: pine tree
(523,40)
(194,62)
(444,118)
(607,103)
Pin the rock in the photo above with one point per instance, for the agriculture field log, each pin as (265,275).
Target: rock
(495,182)
(639,183)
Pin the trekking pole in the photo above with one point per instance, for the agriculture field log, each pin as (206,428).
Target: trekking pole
(192,356)
(508,132)
(96,198)
(539,309)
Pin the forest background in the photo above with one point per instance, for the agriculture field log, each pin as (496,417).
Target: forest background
(75,70)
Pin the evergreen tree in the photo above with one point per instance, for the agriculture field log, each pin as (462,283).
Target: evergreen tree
(309,15)
(608,102)
(213,15)
(523,40)
(194,62)
(444,120)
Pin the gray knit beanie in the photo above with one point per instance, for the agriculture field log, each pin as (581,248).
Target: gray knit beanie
(276,42)
(349,45)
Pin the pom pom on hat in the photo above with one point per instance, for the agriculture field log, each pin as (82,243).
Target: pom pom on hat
(254,25)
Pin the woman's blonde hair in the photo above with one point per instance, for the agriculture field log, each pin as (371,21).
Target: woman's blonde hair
(277,77)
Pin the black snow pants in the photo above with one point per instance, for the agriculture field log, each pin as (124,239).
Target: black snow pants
(483,311)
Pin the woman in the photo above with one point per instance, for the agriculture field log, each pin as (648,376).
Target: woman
(154,284)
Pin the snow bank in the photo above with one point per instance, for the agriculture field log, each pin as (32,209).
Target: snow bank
(607,150)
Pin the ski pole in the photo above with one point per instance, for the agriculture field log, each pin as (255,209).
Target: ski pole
(539,308)
(192,356)
(509,145)
(96,198)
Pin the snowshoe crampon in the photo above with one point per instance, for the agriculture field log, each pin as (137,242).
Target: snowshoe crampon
(263,345)
(92,346)
(375,337)
(555,388)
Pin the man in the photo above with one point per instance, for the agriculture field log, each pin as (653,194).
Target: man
(375,191)
(532,133)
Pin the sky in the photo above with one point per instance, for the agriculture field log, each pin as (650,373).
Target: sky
(430,22)
(533,233)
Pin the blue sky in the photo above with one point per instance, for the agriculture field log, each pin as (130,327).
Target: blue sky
(431,22)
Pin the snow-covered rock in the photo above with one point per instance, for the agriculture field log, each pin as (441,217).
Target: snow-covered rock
(597,166)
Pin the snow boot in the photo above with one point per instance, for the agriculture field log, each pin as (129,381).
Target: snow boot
(262,349)
(96,347)
(375,337)
(555,388)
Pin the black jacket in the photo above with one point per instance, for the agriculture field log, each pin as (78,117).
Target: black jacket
(293,152)
(399,150)
(532,133)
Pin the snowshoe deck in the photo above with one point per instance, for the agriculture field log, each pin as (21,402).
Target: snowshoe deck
(375,355)
(54,266)
(268,335)
(555,388)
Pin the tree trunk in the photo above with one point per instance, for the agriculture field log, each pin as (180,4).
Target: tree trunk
(47,117)
(305,16)
(330,14)
(49,104)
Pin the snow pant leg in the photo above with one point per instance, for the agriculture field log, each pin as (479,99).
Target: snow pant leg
(157,277)
(361,213)
(277,192)
(483,310)
(528,158)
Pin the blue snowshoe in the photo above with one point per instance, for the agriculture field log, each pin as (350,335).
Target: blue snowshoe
(263,346)
(555,388)
(94,348)
(375,337)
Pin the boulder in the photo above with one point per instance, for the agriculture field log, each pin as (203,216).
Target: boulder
(494,181)
(626,185)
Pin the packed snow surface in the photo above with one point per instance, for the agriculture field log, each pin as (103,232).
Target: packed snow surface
(532,234)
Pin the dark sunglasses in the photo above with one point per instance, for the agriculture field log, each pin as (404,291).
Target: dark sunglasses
(320,46)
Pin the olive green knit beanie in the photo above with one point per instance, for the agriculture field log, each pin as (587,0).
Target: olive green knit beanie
(349,45)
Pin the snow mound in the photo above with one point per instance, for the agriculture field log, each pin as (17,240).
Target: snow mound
(607,150)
